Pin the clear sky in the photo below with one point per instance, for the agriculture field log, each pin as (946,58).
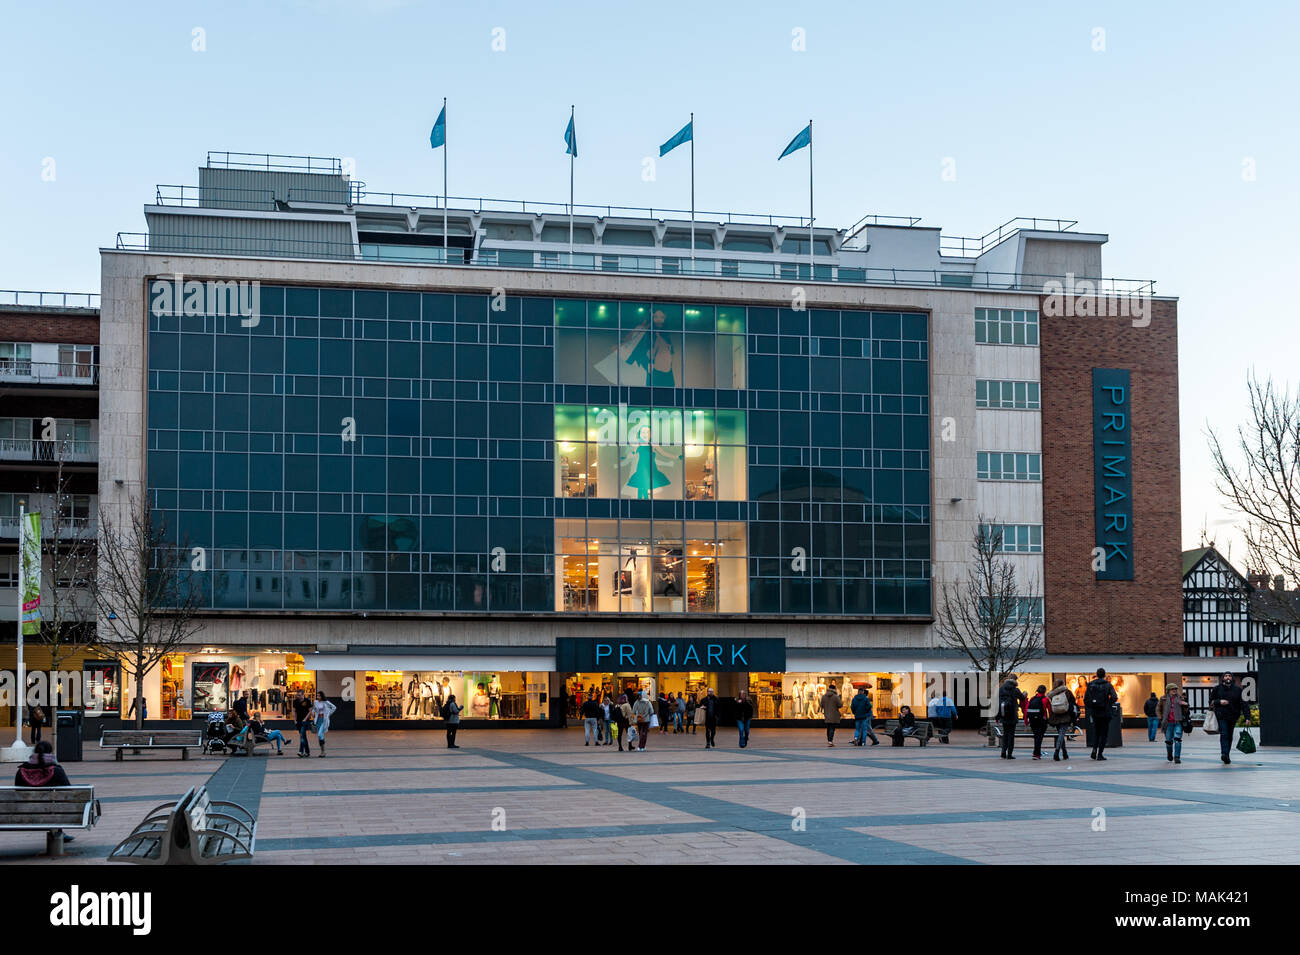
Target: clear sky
(1147,139)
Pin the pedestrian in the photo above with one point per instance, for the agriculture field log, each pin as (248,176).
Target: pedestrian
(860,707)
(36,720)
(1062,713)
(301,712)
(679,714)
(564,707)
(591,714)
(831,712)
(906,725)
(451,714)
(1098,699)
(642,710)
(144,709)
(710,707)
(691,705)
(663,712)
(744,717)
(1225,704)
(1010,708)
(607,708)
(42,770)
(1171,711)
(1036,712)
(1151,708)
(943,711)
(622,714)
(322,710)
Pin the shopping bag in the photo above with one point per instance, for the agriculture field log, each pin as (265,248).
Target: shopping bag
(631,735)
(654,720)
(1211,724)
(1246,743)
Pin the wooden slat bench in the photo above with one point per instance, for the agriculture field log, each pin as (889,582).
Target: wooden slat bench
(51,809)
(122,740)
(1024,732)
(194,830)
(151,842)
(924,730)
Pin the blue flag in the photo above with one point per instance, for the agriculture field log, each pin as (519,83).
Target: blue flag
(684,135)
(438,137)
(801,139)
(571,140)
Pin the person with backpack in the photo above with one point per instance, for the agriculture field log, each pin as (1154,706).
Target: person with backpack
(1010,708)
(1036,712)
(1098,700)
(451,715)
(1151,710)
(1171,712)
(1225,704)
(860,707)
(36,720)
(710,707)
(1063,712)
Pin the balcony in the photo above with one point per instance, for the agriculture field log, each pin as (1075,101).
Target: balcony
(83,374)
(67,450)
(82,524)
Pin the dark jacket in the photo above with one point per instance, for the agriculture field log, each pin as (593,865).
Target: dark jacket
(1226,700)
(46,773)
(1038,709)
(710,707)
(300,709)
(860,706)
(744,710)
(1162,709)
(831,703)
(907,721)
(1010,699)
(1151,705)
(1100,687)
(591,710)
(1069,716)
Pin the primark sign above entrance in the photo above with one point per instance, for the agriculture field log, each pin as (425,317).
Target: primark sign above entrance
(586,655)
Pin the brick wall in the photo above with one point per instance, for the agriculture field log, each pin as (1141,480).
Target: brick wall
(60,327)
(1143,615)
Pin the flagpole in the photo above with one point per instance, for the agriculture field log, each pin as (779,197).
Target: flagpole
(572,158)
(446,256)
(22,675)
(692,191)
(812,265)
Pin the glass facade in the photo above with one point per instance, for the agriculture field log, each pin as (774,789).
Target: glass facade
(383,450)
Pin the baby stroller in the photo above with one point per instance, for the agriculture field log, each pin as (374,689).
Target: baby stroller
(217,734)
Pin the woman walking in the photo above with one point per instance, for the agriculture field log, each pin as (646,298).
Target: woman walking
(831,712)
(1171,712)
(451,715)
(1036,713)
(1062,711)
(322,710)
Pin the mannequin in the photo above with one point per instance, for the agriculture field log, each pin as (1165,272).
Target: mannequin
(494,697)
(413,694)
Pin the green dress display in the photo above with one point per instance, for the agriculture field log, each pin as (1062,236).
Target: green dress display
(647,475)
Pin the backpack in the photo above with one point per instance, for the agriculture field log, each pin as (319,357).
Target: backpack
(1060,702)
(1096,697)
(1037,706)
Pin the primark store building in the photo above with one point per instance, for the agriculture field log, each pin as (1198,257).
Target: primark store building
(426,448)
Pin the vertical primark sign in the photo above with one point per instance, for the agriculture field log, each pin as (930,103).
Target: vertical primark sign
(1112,477)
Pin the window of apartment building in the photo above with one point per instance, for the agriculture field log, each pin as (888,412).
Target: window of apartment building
(1014,538)
(76,361)
(1008,466)
(9,570)
(1024,607)
(1191,605)
(1006,326)
(1006,394)
(15,358)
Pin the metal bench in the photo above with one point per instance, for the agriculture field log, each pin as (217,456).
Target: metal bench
(924,730)
(194,830)
(1024,732)
(51,809)
(136,740)
(151,842)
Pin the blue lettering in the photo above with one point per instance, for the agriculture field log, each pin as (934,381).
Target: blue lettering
(690,655)
(738,653)
(1110,465)
(1116,549)
(603,650)
(625,651)
(669,657)
(1116,393)
(1114,494)
(1116,521)
(1114,421)
(713,653)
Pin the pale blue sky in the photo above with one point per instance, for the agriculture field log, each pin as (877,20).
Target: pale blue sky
(1144,141)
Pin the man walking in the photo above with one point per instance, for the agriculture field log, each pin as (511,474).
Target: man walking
(1151,709)
(744,716)
(861,708)
(710,707)
(1010,704)
(943,711)
(591,714)
(1098,700)
(301,710)
(1225,704)
(831,712)
(642,710)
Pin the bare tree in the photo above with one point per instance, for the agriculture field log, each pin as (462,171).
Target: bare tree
(989,615)
(145,596)
(1261,482)
(67,613)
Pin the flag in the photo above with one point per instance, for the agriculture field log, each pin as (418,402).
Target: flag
(29,571)
(684,135)
(571,140)
(801,139)
(438,137)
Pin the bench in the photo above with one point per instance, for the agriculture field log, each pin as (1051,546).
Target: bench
(924,730)
(1024,732)
(194,830)
(51,809)
(122,740)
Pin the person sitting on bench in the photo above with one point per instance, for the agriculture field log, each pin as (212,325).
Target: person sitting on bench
(42,770)
(906,725)
(260,732)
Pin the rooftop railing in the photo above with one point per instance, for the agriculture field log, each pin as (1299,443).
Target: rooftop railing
(215,197)
(648,262)
(67,450)
(275,162)
(965,246)
(49,299)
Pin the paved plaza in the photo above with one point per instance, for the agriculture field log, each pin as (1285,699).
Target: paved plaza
(536,796)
